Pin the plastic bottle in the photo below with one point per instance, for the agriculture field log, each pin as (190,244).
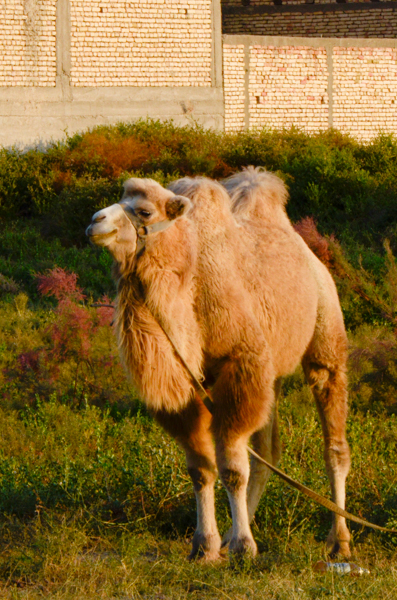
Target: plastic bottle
(341,568)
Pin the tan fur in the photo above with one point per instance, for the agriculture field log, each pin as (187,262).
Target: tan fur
(161,284)
(250,188)
(245,300)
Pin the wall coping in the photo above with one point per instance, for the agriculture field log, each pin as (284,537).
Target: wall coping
(323,42)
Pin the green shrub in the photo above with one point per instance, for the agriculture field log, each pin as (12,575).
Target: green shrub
(25,251)
(348,187)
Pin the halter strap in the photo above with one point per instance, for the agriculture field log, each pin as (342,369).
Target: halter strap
(143,231)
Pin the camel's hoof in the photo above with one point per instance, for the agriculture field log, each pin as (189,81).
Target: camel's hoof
(205,556)
(337,547)
(243,546)
(205,548)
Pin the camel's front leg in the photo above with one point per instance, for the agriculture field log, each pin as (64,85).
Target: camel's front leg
(243,403)
(206,539)
(191,427)
(267,444)
(233,464)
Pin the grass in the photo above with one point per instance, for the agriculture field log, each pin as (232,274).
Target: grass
(111,516)
(95,500)
(125,566)
(25,251)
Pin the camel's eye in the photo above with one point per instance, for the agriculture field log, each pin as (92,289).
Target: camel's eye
(144,213)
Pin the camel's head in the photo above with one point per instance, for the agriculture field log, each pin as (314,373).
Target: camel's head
(112,229)
(150,207)
(146,208)
(111,226)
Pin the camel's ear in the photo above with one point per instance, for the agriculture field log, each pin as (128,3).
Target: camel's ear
(177,206)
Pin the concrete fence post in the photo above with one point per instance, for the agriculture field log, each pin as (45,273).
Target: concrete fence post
(63,34)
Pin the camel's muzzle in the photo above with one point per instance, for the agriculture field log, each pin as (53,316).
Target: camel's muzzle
(103,224)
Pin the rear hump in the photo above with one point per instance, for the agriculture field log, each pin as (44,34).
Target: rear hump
(257,194)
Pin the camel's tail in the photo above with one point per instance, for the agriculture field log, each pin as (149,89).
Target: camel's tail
(255,193)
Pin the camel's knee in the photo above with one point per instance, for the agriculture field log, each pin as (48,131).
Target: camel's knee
(329,387)
(233,464)
(338,450)
(317,377)
(233,480)
(321,375)
(337,456)
(201,477)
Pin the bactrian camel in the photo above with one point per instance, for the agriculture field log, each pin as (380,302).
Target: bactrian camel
(223,271)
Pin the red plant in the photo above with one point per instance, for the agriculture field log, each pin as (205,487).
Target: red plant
(61,180)
(68,359)
(60,284)
(112,155)
(105,312)
(72,332)
(307,229)
(29,361)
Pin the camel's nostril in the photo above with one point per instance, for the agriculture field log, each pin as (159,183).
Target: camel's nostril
(98,218)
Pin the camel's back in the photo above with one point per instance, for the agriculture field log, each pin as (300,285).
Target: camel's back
(301,288)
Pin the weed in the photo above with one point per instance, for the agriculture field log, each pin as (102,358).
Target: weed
(307,229)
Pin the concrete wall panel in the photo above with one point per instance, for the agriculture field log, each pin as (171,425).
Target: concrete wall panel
(30,121)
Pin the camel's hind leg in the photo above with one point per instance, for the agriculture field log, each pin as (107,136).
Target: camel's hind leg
(266,443)
(327,378)
(191,427)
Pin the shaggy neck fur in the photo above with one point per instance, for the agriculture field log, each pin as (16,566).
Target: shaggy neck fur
(160,289)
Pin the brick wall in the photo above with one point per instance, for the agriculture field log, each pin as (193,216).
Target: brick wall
(341,21)
(233,86)
(245,3)
(69,65)
(141,43)
(164,59)
(311,84)
(288,86)
(365,90)
(28,43)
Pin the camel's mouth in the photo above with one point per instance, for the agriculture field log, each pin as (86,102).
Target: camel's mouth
(97,238)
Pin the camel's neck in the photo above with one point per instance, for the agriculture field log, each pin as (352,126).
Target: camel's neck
(160,291)
(162,277)
(130,288)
